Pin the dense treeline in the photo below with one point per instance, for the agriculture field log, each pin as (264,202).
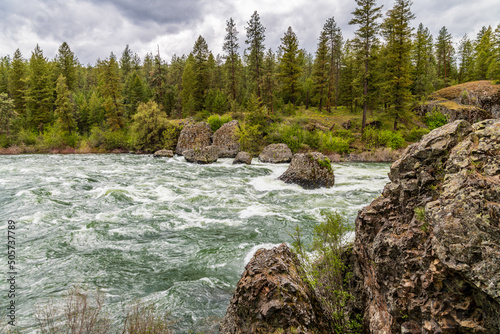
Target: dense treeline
(385,67)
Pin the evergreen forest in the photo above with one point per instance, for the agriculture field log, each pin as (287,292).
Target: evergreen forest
(128,102)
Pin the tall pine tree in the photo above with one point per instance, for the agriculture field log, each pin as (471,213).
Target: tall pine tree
(231,48)
(366,16)
(290,69)
(64,111)
(67,65)
(255,41)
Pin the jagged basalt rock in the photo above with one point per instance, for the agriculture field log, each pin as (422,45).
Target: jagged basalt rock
(427,251)
(271,297)
(204,155)
(276,153)
(225,139)
(163,154)
(194,135)
(243,158)
(310,171)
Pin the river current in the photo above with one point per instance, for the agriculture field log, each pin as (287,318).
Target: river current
(155,230)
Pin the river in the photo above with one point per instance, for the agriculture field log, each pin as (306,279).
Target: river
(155,230)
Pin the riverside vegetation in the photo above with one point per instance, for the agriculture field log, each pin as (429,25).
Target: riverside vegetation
(349,96)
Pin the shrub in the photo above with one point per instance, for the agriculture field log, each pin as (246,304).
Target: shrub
(149,126)
(217,121)
(26,137)
(146,318)
(326,271)
(435,119)
(416,134)
(331,143)
(250,138)
(109,140)
(387,138)
(54,137)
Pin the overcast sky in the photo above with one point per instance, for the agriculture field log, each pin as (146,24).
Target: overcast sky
(94,28)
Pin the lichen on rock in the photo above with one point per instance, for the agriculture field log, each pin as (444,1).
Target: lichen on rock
(310,171)
(276,153)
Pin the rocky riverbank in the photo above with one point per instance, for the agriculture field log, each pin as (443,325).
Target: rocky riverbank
(426,253)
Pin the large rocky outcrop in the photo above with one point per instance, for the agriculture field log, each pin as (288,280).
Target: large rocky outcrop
(310,171)
(471,101)
(427,252)
(271,297)
(203,155)
(194,135)
(225,139)
(276,153)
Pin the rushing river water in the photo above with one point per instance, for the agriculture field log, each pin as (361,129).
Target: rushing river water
(155,230)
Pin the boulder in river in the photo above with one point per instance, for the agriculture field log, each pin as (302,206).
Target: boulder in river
(163,154)
(310,171)
(194,135)
(276,153)
(204,155)
(272,297)
(225,139)
(243,158)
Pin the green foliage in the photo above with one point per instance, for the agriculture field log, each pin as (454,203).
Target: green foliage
(216,101)
(376,138)
(56,137)
(435,119)
(327,272)
(420,214)
(250,138)
(331,143)
(415,134)
(216,121)
(109,140)
(294,136)
(151,128)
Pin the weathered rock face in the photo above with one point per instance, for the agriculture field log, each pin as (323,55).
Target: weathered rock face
(243,158)
(225,139)
(204,155)
(163,154)
(471,101)
(271,297)
(310,171)
(427,252)
(194,135)
(276,153)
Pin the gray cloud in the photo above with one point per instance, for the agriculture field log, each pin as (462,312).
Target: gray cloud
(94,28)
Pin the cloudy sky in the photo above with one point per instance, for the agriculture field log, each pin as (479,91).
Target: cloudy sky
(94,28)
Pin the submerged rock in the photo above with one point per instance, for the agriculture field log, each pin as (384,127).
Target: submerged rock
(243,158)
(204,155)
(310,171)
(427,251)
(194,135)
(163,154)
(276,153)
(225,139)
(271,297)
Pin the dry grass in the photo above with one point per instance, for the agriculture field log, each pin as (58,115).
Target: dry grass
(454,92)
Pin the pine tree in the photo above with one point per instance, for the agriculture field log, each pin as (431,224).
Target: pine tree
(189,86)
(484,53)
(66,65)
(349,80)
(255,41)
(321,70)
(7,114)
(306,81)
(175,74)
(444,56)
(366,16)
(398,33)
(424,61)
(126,63)
(17,86)
(134,92)
(466,58)
(494,70)
(231,48)
(269,83)
(334,36)
(64,111)
(110,89)
(5,64)
(39,92)
(290,69)
(201,72)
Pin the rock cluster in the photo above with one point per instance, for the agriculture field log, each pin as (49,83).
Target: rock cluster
(427,251)
(163,154)
(310,171)
(243,158)
(194,135)
(271,297)
(276,153)
(225,139)
(203,155)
